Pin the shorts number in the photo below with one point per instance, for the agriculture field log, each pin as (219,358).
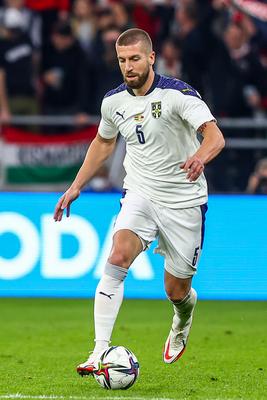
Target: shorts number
(196,253)
(140,134)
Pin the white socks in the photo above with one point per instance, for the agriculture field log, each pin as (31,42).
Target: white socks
(108,299)
(183,311)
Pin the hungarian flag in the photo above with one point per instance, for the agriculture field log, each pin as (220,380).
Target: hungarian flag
(254,8)
(38,158)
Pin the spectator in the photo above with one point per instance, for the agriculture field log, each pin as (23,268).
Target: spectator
(64,74)
(104,20)
(83,23)
(168,62)
(247,82)
(105,65)
(17,87)
(194,60)
(121,15)
(204,56)
(30,21)
(50,11)
(145,17)
(165,14)
(257,183)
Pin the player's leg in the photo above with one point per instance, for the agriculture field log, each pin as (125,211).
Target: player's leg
(183,298)
(133,231)
(180,241)
(109,292)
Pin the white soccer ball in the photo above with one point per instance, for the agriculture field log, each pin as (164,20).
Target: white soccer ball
(116,368)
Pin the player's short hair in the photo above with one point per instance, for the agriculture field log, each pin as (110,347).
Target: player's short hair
(133,36)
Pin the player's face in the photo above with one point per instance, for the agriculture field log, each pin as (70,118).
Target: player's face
(135,64)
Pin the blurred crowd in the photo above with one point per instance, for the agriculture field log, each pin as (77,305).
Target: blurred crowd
(57,57)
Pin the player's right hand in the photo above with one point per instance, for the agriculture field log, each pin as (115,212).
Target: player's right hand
(194,167)
(64,203)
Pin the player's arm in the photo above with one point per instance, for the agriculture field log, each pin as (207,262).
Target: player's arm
(213,142)
(99,150)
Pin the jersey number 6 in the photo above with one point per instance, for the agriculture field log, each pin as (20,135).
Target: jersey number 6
(140,134)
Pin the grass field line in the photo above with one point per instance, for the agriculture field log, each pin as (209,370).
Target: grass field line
(56,397)
(52,397)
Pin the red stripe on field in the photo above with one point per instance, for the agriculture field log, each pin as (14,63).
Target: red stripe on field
(16,135)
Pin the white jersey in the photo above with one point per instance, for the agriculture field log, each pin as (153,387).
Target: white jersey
(160,133)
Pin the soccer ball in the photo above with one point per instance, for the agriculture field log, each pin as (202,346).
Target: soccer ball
(116,368)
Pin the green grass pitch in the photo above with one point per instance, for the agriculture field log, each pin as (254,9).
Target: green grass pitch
(42,340)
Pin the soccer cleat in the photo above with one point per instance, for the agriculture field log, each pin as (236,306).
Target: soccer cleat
(176,343)
(87,368)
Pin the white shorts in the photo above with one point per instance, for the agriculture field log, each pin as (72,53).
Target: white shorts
(179,232)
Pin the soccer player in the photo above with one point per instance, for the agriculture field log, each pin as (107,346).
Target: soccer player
(165,191)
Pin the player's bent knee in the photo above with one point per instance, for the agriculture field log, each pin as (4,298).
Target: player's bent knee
(120,258)
(175,294)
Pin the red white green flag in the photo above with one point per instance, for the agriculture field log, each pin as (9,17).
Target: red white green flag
(28,157)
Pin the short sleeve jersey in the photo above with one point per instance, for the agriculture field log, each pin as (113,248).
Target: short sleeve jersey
(160,130)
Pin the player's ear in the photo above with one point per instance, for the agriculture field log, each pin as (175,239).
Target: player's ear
(152,58)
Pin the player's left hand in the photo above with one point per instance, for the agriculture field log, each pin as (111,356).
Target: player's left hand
(194,167)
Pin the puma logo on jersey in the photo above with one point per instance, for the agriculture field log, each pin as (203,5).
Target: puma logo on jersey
(108,295)
(120,115)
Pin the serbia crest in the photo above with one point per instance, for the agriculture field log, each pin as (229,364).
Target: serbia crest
(156,109)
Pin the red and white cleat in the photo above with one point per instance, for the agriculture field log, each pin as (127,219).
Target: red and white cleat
(175,344)
(87,368)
